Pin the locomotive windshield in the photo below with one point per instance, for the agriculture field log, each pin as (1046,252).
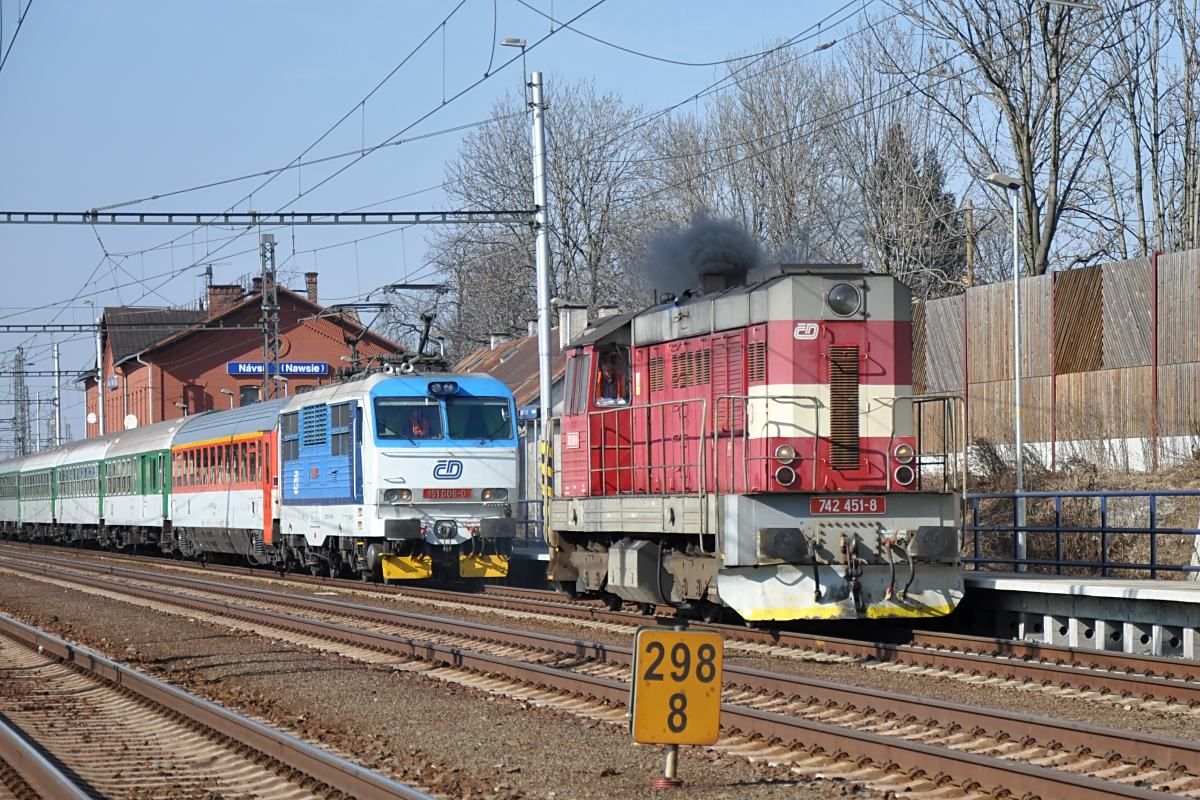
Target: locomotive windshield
(482,418)
(410,418)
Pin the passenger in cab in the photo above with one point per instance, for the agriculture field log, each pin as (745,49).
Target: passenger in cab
(419,426)
(612,387)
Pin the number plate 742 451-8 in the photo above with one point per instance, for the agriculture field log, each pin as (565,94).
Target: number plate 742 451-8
(848,504)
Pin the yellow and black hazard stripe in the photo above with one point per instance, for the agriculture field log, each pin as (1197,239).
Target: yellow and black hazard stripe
(547,464)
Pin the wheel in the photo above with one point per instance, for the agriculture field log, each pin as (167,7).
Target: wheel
(565,587)
(647,609)
(612,602)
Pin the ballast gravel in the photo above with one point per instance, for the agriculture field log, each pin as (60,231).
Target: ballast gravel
(448,740)
(1128,716)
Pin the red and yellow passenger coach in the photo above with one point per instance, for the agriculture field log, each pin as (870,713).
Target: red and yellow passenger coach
(753,446)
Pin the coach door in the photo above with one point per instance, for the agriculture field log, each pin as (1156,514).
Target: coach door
(266,465)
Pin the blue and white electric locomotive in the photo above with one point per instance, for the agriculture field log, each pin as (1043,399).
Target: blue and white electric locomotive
(398,473)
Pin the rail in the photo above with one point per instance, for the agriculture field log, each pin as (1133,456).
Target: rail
(992,535)
(38,773)
(336,772)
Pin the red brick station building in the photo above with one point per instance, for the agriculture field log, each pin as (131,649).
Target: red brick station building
(172,363)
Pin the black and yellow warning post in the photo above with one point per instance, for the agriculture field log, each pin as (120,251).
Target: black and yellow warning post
(676,691)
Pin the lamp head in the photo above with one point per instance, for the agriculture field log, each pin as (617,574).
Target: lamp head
(1006,182)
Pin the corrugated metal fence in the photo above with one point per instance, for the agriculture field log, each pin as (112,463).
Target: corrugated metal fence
(1109,353)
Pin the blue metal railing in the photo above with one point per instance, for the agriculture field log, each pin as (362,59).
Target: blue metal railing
(1005,533)
(527,514)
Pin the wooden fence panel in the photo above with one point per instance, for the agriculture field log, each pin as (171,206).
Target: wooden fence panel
(1179,307)
(920,354)
(992,410)
(989,332)
(1127,300)
(943,369)
(1102,404)
(1179,399)
(1078,321)
(1035,326)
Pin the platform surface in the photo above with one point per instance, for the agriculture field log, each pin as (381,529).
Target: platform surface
(1171,591)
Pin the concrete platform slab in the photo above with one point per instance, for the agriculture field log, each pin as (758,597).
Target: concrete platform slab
(1159,618)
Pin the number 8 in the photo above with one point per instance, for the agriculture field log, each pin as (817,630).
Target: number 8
(706,667)
(677,719)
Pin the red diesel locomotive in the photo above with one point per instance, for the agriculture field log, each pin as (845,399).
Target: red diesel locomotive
(753,447)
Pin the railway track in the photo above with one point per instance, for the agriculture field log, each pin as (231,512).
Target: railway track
(890,740)
(1153,683)
(74,724)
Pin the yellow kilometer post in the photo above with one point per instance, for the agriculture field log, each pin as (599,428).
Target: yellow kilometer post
(676,692)
(483,566)
(407,568)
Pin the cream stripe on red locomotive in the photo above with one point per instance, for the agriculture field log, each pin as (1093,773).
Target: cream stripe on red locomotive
(799,409)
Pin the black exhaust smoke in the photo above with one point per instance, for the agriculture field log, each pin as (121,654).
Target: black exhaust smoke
(708,255)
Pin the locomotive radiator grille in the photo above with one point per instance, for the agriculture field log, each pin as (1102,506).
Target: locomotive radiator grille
(656,374)
(757,362)
(843,407)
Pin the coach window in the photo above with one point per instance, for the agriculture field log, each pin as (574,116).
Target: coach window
(252,460)
(339,428)
(289,431)
(248,395)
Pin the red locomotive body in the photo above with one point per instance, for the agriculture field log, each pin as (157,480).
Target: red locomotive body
(753,446)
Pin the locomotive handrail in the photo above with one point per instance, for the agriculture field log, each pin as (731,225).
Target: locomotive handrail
(683,437)
(947,426)
(943,398)
(745,399)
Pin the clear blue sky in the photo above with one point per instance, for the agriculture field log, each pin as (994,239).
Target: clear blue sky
(101,103)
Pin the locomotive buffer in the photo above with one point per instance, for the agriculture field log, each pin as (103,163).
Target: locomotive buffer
(676,691)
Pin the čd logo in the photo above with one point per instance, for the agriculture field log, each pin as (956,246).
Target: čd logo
(448,470)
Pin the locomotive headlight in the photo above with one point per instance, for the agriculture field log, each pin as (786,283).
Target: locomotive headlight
(494,494)
(397,495)
(903,453)
(844,299)
(785,476)
(785,454)
(904,475)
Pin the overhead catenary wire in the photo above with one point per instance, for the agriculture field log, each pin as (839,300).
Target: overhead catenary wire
(386,142)
(857,108)
(641,53)
(13,40)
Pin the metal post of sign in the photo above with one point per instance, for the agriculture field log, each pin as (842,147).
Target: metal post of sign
(669,781)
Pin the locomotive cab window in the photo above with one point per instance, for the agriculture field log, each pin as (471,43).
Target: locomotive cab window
(482,418)
(578,368)
(407,418)
(612,377)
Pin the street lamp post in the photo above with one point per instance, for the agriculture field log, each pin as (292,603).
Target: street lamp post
(1011,185)
(229,394)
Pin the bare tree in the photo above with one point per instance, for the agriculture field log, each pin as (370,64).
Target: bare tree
(1014,79)
(594,175)
(914,228)
(757,153)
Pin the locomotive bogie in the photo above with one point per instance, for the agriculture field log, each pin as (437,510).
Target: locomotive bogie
(767,557)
